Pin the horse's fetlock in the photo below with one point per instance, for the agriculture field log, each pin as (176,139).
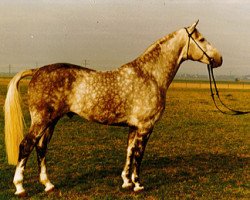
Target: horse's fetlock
(125,176)
(43,179)
(20,191)
(135,178)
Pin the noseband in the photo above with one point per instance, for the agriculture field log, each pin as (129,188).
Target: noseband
(212,80)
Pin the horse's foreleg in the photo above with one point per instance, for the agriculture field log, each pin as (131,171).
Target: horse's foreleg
(141,140)
(126,173)
(41,149)
(25,149)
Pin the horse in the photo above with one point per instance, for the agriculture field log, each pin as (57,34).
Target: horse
(133,95)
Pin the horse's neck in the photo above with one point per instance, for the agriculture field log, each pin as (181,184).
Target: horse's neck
(162,59)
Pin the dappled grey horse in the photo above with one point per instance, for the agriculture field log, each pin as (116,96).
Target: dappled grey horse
(133,95)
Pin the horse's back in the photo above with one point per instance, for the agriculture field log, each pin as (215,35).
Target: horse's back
(50,86)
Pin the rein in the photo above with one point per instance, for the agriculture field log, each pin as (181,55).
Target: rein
(213,82)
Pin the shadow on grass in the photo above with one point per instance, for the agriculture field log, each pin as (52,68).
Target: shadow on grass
(158,171)
(201,168)
(207,174)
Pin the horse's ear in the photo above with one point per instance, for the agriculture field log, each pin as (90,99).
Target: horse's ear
(193,26)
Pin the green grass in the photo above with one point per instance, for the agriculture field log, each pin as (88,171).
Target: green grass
(195,152)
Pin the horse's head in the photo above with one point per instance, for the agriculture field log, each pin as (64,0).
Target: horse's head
(199,49)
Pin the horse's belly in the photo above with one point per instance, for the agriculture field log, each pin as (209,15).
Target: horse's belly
(105,111)
(103,116)
(107,117)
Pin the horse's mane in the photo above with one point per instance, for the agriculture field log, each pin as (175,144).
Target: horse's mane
(153,51)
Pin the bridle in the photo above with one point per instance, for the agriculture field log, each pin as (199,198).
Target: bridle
(212,80)
(190,37)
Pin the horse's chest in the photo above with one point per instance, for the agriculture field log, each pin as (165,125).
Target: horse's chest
(148,105)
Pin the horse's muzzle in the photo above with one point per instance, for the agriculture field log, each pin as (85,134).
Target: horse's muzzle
(217,61)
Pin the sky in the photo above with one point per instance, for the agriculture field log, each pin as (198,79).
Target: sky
(109,33)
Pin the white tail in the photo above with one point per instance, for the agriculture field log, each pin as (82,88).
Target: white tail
(14,121)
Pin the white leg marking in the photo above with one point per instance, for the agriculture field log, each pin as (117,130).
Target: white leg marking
(44,177)
(138,186)
(126,182)
(18,178)
(126,171)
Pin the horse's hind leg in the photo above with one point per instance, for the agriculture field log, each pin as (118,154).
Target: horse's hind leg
(41,149)
(25,148)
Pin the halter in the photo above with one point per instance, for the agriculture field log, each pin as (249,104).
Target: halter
(212,80)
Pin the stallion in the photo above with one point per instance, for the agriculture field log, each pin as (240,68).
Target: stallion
(133,95)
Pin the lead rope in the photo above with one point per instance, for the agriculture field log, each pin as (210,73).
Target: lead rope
(211,82)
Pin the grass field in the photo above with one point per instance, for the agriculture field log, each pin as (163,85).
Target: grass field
(195,152)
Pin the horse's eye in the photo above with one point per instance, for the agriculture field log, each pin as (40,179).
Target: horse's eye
(202,39)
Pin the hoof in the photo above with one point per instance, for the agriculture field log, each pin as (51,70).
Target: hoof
(49,187)
(51,190)
(127,185)
(138,189)
(21,195)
